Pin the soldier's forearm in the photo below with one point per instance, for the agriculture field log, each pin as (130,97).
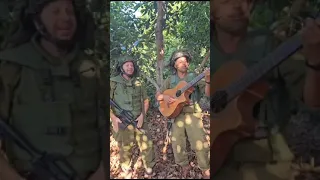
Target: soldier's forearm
(159,96)
(311,93)
(146,106)
(112,116)
(207,90)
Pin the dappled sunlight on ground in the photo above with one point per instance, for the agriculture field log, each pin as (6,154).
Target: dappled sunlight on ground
(164,168)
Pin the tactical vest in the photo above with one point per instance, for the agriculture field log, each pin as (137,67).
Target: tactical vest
(195,96)
(55,108)
(127,94)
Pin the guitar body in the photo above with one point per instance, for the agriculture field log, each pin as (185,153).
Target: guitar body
(235,122)
(173,110)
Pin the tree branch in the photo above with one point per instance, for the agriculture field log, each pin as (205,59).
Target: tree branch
(151,81)
(203,62)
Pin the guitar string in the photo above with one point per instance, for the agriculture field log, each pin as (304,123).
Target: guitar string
(296,44)
(198,78)
(260,69)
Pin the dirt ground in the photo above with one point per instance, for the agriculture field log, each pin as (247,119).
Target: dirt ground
(303,136)
(164,169)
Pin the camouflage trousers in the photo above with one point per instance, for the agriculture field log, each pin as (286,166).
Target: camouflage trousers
(126,139)
(189,125)
(252,160)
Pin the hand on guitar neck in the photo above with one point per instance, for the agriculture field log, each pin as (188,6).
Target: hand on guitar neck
(207,74)
(173,100)
(241,88)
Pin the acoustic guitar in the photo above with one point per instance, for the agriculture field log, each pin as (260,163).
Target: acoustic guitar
(234,95)
(182,93)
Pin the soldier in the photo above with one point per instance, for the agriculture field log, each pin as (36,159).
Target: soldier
(49,90)
(128,92)
(294,85)
(190,119)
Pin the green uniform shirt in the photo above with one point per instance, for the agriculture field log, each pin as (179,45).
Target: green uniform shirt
(173,80)
(38,106)
(128,94)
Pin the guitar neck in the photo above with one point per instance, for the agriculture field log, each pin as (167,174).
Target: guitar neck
(272,60)
(193,82)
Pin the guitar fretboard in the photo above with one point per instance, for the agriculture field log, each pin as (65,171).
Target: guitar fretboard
(193,82)
(281,53)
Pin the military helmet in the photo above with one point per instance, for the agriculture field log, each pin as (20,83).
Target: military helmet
(124,59)
(35,6)
(178,54)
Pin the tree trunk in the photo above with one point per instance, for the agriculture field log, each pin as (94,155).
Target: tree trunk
(159,42)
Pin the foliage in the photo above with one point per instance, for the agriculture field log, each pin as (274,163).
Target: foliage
(273,13)
(186,25)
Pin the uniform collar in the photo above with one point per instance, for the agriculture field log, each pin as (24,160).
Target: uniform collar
(51,59)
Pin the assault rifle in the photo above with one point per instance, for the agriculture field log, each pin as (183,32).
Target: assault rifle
(126,117)
(44,165)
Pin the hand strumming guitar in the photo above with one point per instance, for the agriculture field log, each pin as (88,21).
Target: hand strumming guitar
(168,99)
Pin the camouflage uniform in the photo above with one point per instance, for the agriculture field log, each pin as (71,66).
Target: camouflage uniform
(267,158)
(53,104)
(130,95)
(188,125)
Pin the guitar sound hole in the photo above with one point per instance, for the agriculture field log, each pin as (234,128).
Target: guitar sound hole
(178,93)
(219,101)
